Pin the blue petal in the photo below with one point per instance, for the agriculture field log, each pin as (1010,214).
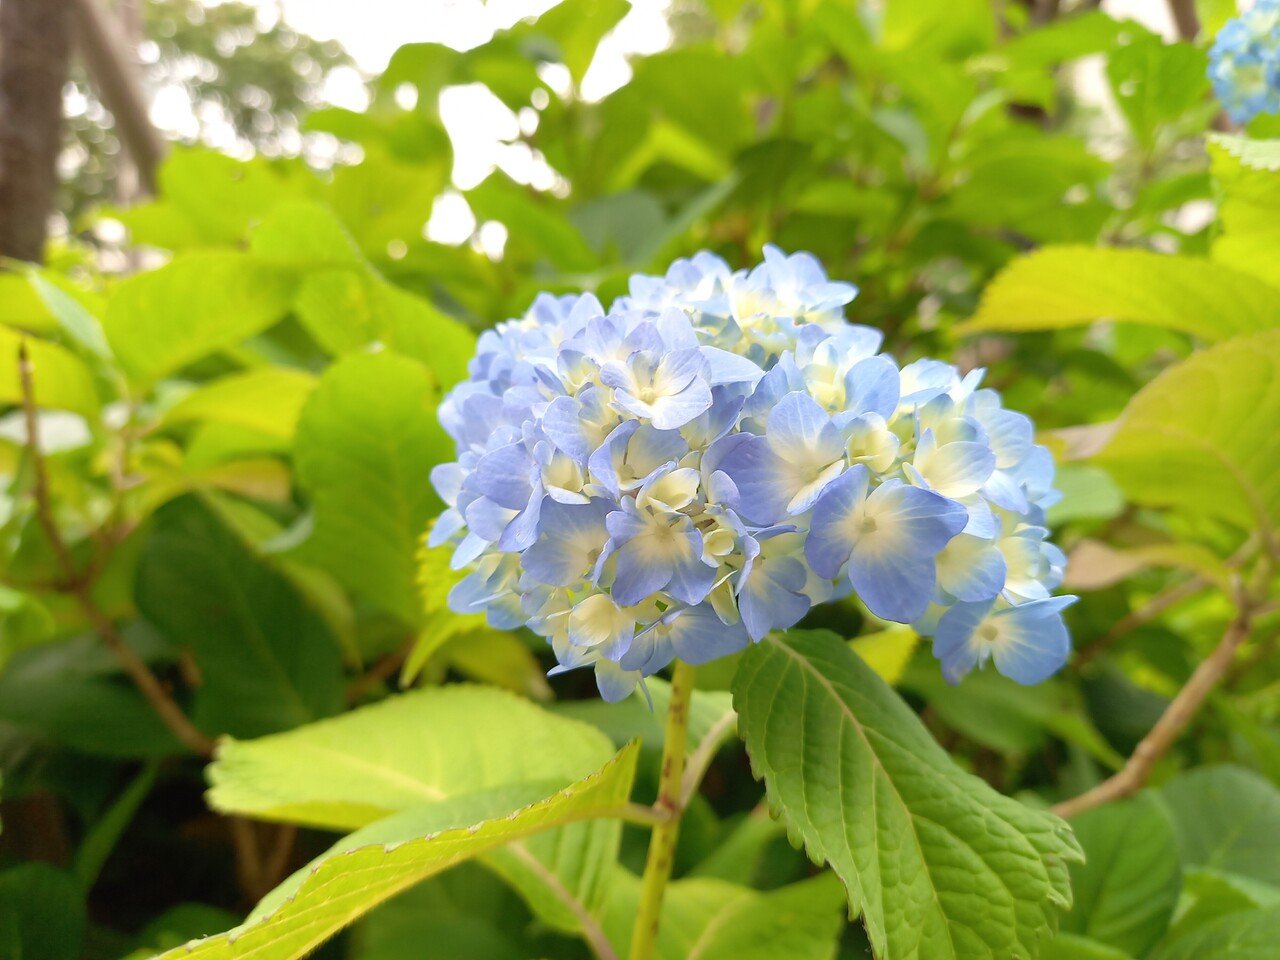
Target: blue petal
(1035,643)
(893,586)
(951,643)
(971,569)
(801,432)
(831,537)
(920,521)
(764,481)
(503,475)
(725,367)
(698,636)
(872,386)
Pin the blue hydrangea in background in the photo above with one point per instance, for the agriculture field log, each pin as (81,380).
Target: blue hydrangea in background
(1244,63)
(720,452)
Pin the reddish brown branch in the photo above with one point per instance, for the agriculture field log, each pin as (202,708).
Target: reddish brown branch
(1180,712)
(80,586)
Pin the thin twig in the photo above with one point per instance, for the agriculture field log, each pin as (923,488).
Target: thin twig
(1184,17)
(1181,710)
(273,870)
(81,588)
(248,857)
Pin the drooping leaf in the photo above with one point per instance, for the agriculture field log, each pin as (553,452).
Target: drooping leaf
(706,919)
(428,747)
(1127,887)
(1227,818)
(200,303)
(366,442)
(939,864)
(267,659)
(1070,286)
(413,748)
(391,855)
(1184,440)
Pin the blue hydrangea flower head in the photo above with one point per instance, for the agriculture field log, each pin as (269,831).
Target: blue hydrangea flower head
(719,452)
(1244,62)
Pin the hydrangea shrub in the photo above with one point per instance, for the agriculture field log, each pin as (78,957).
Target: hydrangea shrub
(1244,62)
(720,452)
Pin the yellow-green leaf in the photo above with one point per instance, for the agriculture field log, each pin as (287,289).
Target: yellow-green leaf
(1203,435)
(1071,286)
(391,855)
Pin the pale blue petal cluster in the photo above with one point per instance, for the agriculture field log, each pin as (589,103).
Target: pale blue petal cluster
(1244,62)
(721,451)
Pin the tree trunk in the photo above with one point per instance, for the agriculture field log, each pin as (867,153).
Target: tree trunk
(35,45)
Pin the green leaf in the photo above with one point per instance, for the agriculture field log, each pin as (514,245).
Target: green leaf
(72,316)
(1249,935)
(577,27)
(414,748)
(938,863)
(1254,154)
(60,380)
(706,919)
(1087,494)
(58,692)
(1209,894)
(366,442)
(199,303)
(463,914)
(539,229)
(1249,211)
(1127,887)
(428,747)
(1071,286)
(105,834)
(267,400)
(1155,83)
(1227,818)
(42,914)
(267,659)
(1067,946)
(391,855)
(24,622)
(1183,440)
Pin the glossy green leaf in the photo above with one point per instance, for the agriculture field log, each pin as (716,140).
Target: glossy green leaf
(1068,946)
(938,863)
(1127,887)
(1180,442)
(391,855)
(1072,286)
(267,659)
(366,442)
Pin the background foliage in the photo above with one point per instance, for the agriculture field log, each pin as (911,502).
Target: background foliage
(236,434)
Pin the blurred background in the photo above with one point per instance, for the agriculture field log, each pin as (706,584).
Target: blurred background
(243,238)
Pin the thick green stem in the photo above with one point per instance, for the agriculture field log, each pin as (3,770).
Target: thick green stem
(662,845)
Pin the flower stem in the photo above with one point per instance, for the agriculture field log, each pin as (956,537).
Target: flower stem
(662,844)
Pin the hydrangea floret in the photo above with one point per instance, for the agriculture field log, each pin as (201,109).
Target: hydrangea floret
(720,452)
(1244,62)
